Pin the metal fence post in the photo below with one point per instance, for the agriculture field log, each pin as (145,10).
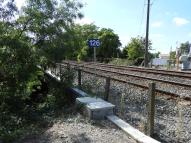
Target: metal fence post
(151,109)
(107,87)
(79,78)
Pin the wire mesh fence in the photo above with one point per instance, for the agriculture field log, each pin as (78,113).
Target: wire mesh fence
(172,117)
(130,104)
(173,120)
(93,84)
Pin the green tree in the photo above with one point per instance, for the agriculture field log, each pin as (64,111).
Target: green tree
(154,55)
(18,71)
(184,47)
(125,52)
(39,36)
(110,44)
(173,55)
(136,48)
(81,34)
(49,26)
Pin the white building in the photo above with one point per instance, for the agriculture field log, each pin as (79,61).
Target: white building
(164,56)
(162,60)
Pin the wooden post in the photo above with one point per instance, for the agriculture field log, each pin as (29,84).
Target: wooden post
(107,87)
(60,69)
(68,67)
(151,109)
(68,72)
(54,71)
(79,78)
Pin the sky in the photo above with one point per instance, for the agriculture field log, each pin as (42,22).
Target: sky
(170,20)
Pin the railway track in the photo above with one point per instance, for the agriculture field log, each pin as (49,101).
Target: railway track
(133,75)
(170,114)
(162,75)
(181,74)
(104,71)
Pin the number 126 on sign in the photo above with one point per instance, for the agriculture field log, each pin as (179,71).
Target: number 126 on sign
(94,43)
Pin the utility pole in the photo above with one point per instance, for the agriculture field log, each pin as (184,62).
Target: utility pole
(147,36)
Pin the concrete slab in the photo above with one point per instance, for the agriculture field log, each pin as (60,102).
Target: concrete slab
(87,100)
(100,105)
(79,92)
(132,132)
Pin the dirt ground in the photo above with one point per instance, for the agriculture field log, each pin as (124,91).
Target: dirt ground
(77,129)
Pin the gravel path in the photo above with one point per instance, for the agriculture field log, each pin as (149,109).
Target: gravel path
(76,129)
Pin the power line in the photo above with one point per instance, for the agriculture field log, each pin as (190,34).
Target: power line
(153,2)
(143,11)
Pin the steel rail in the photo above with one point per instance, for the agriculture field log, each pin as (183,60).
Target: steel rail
(166,93)
(137,76)
(151,71)
(181,74)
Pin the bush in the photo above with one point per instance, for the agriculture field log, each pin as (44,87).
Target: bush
(139,61)
(20,110)
(124,62)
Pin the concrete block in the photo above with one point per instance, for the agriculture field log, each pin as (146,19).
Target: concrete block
(99,110)
(83,101)
(95,108)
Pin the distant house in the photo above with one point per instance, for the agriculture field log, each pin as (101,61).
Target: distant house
(164,56)
(161,61)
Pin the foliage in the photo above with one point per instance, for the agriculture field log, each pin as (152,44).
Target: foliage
(185,48)
(135,50)
(39,36)
(49,22)
(155,55)
(173,55)
(119,61)
(124,53)
(109,42)
(8,10)
(60,89)
(172,59)
(81,33)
